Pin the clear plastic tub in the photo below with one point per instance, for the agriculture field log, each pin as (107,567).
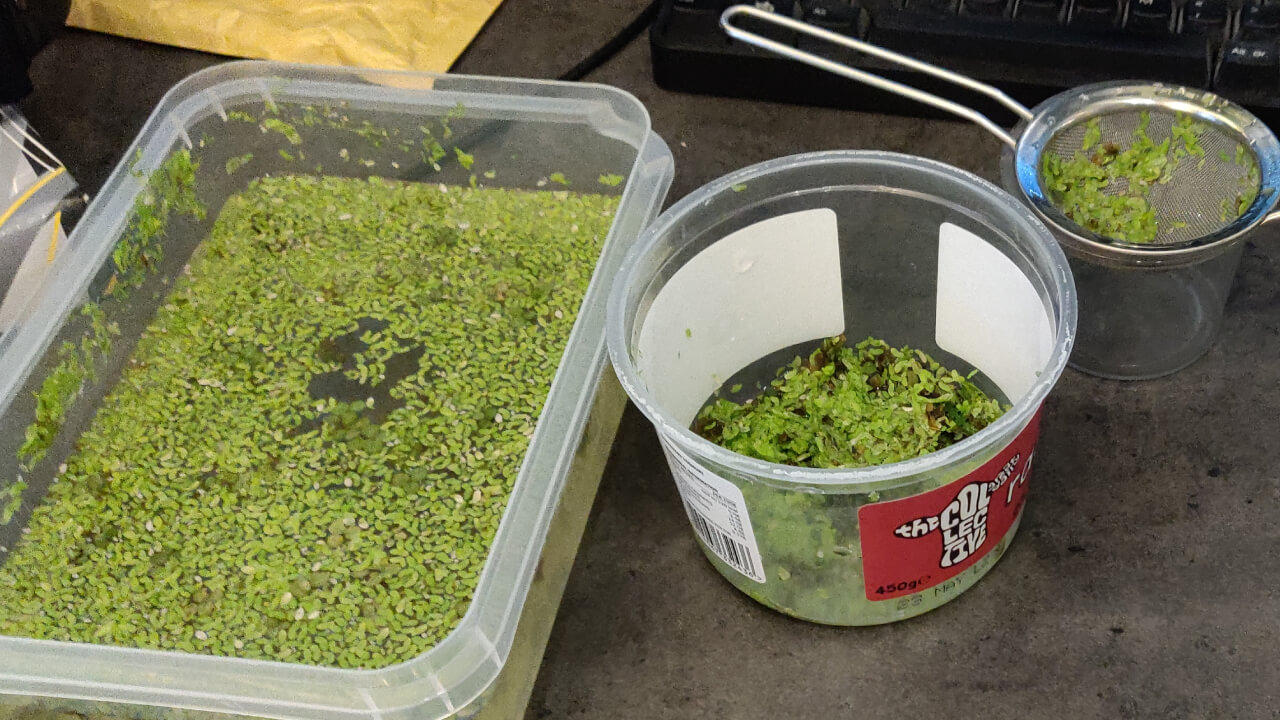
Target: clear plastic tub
(537,136)
(1141,322)
(744,273)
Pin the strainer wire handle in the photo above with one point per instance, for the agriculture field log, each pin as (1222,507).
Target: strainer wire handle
(45,158)
(876,81)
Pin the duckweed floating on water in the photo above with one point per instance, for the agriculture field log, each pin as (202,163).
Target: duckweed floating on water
(313,442)
(170,190)
(238,162)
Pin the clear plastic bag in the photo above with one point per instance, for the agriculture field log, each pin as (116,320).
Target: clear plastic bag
(34,189)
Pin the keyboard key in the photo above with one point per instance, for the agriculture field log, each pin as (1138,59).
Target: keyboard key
(836,15)
(1095,13)
(1150,16)
(1040,10)
(1205,17)
(767,29)
(1259,20)
(934,7)
(782,7)
(991,8)
(1249,65)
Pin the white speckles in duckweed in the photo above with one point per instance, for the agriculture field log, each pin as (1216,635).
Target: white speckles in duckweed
(313,443)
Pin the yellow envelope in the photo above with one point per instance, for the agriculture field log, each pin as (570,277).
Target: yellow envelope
(386,34)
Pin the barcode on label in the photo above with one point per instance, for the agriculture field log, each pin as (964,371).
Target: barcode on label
(718,513)
(726,548)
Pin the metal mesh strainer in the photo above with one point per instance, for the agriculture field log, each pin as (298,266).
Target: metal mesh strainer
(1134,168)
(1195,177)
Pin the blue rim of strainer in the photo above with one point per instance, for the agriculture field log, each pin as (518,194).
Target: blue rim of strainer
(1067,109)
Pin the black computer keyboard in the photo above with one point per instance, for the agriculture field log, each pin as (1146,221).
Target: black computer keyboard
(1031,49)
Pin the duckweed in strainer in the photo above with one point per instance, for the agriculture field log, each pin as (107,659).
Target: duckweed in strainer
(1107,188)
(312,445)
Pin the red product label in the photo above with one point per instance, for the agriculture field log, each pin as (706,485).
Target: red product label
(915,543)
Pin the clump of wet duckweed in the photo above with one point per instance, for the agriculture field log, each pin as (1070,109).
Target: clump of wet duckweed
(312,444)
(839,406)
(852,407)
(1107,187)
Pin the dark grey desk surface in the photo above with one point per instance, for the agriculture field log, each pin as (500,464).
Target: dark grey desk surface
(1143,583)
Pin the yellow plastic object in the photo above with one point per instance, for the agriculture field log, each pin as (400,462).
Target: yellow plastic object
(387,34)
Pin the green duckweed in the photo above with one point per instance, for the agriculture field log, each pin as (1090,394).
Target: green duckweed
(313,442)
(851,407)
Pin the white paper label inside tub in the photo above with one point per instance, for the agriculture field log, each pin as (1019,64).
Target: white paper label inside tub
(989,313)
(717,512)
(765,287)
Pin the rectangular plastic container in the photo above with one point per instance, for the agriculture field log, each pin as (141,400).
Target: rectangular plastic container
(534,129)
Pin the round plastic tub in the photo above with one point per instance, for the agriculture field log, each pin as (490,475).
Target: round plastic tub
(757,267)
